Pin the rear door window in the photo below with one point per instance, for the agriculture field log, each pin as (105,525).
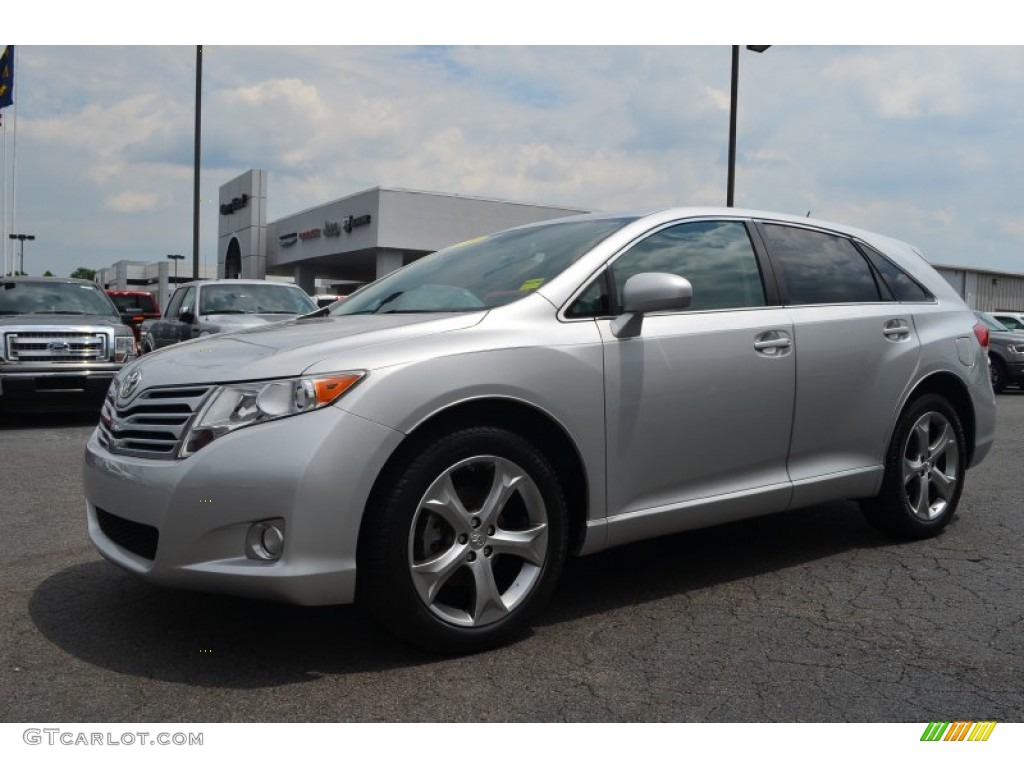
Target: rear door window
(818,267)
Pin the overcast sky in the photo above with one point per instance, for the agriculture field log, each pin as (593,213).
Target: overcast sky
(920,143)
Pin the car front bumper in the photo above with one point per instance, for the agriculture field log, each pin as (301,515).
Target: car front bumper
(184,523)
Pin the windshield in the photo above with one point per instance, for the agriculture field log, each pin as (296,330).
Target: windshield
(53,298)
(254,299)
(483,273)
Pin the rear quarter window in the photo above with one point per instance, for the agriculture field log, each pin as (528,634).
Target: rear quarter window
(902,285)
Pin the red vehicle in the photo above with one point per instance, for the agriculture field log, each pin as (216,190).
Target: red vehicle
(135,307)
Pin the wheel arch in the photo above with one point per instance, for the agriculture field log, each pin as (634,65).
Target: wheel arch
(528,421)
(955,392)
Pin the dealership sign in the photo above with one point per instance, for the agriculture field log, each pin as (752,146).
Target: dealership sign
(329,229)
(355,221)
(236,204)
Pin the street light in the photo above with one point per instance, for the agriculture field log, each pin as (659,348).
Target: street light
(731,186)
(22,238)
(176,257)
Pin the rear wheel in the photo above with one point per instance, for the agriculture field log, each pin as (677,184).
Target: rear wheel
(467,544)
(924,472)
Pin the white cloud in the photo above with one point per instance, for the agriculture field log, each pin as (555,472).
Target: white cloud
(133,202)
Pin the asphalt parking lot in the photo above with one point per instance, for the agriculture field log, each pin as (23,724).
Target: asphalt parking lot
(806,616)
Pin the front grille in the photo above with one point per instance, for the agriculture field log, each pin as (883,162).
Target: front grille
(137,538)
(56,346)
(153,424)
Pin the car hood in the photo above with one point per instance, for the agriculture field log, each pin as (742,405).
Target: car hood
(291,347)
(243,321)
(1010,336)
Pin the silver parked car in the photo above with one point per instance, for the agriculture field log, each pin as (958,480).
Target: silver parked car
(435,445)
(203,308)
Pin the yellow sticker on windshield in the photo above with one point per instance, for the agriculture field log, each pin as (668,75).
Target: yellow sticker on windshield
(470,242)
(531,285)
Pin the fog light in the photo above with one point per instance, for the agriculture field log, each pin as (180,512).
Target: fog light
(265,540)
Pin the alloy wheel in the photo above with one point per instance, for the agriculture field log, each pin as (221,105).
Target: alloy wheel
(478,541)
(931,458)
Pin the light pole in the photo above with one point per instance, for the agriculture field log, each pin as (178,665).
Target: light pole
(175,257)
(731,185)
(22,238)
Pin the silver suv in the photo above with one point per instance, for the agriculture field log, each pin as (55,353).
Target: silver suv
(438,443)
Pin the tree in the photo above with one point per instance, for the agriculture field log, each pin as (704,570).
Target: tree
(84,273)
(47,273)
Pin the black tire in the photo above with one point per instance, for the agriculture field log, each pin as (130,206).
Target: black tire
(997,372)
(929,448)
(464,574)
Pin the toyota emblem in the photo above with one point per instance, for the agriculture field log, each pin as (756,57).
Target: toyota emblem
(128,385)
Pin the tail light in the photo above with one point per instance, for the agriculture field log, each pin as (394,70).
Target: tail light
(981,333)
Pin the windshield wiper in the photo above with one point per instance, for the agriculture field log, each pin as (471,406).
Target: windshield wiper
(59,312)
(388,300)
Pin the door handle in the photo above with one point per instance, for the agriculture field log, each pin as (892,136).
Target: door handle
(773,342)
(896,330)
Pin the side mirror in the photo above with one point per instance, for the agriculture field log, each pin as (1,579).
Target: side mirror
(187,317)
(650,292)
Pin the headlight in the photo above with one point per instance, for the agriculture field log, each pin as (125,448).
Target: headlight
(124,348)
(1016,349)
(234,406)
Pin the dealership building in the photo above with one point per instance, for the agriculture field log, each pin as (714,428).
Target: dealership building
(354,239)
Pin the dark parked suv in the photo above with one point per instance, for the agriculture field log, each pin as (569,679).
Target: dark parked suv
(62,341)
(1005,353)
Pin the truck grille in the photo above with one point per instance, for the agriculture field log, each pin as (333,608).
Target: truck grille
(153,424)
(56,346)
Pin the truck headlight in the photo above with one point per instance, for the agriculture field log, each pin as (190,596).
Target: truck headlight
(124,348)
(234,406)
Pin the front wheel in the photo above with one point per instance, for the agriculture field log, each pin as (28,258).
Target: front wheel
(997,372)
(467,543)
(924,472)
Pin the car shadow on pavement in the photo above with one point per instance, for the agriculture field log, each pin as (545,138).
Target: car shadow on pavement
(113,620)
(695,560)
(24,419)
